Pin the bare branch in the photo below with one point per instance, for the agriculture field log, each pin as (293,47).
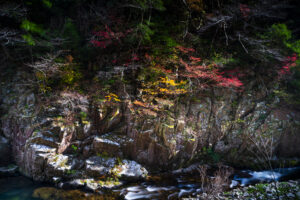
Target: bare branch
(47,65)
(12,10)
(242,44)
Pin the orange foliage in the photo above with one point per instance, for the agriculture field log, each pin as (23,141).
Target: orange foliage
(112,97)
(196,5)
(139,103)
(184,65)
(165,86)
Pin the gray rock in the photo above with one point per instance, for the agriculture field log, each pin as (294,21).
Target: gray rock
(290,195)
(194,168)
(43,139)
(56,179)
(246,194)
(102,145)
(169,139)
(74,184)
(131,170)
(92,185)
(98,166)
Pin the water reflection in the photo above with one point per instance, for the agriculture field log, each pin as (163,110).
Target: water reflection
(17,188)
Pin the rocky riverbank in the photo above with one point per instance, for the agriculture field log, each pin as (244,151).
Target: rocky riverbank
(271,191)
(289,190)
(78,140)
(21,188)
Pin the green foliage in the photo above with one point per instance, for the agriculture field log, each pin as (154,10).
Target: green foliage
(74,147)
(169,41)
(281,37)
(295,47)
(262,117)
(71,171)
(70,74)
(47,3)
(83,116)
(239,121)
(284,95)
(146,4)
(43,82)
(209,154)
(109,82)
(258,189)
(32,27)
(145,31)
(149,74)
(220,59)
(71,35)
(67,74)
(119,161)
(213,155)
(280,32)
(283,188)
(103,154)
(164,45)
(28,39)
(158,5)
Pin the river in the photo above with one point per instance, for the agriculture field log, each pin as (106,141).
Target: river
(21,188)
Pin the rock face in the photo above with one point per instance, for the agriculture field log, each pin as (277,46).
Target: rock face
(98,166)
(102,145)
(69,136)
(5,151)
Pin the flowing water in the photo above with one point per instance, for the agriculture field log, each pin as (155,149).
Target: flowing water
(21,188)
(248,177)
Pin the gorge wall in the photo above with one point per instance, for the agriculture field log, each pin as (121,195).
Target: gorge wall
(70,135)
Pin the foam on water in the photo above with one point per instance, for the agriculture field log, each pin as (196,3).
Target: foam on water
(263,176)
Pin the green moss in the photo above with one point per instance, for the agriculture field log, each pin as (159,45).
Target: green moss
(74,147)
(259,190)
(83,116)
(103,154)
(234,104)
(293,163)
(71,172)
(239,121)
(119,161)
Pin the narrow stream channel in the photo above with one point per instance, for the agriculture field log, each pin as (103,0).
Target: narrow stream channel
(21,188)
